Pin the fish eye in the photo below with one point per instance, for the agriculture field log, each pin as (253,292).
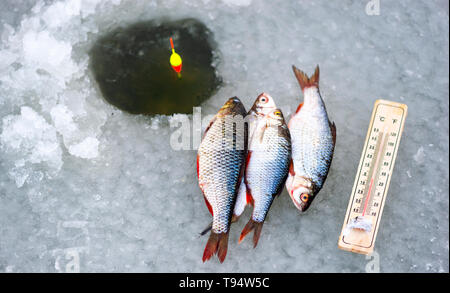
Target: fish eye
(263,99)
(277,113)
(304,197)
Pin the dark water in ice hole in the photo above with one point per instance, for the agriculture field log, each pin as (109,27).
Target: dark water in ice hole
(131,66)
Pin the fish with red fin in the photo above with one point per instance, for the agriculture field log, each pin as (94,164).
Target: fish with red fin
(220,167)
(267,164)
(313,139)
(263,105)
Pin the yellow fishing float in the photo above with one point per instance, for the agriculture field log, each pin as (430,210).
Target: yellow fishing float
(175,60)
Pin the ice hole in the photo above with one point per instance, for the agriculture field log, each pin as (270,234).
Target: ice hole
(131,66)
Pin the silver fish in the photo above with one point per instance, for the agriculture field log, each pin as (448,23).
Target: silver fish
(220,163)
(266,169)
(313,140)
(263,105)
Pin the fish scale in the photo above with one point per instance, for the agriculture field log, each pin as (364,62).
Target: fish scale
(267,167)
(263,105)
(313,140)
(220,168)
(312,145)
(267,170)
(220,160)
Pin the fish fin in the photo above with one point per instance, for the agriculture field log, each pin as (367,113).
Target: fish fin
(314,79)
(252,225)
(223,246)
(263,131)
(207,229)
(257,233)
(217,243)
(197,165)
(208,205)
(248,193)
(333,131)
(306,81)
(291,168)
(288,184)
(249,154)
(299,107)
(211,246)
(249,197)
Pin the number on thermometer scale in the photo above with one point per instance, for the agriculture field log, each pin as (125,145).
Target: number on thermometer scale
(376,166)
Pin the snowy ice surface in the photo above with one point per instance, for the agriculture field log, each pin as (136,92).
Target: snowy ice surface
(86,187)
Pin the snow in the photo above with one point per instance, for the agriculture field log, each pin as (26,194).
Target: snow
(29,140)
(86,187)
(87,149)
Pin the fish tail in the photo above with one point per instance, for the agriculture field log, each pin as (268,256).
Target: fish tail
(217,243)
(252,225)
(306,81)
(223,246)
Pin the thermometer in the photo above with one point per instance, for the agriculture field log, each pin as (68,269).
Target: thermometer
(368,196)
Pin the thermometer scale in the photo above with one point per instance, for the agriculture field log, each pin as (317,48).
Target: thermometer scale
(368,196)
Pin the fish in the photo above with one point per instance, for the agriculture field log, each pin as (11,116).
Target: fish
(267,167)
(220,167)
(263,105)
(313,140)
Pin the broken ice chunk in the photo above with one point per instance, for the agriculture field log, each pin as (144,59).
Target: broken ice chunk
(29,139)
(32,137)
(63,120)
(87,149)
(42,51)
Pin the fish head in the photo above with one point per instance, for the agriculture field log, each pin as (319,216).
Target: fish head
(301,199)
(264,104)
(232,106)
(302,194)
(275,118)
